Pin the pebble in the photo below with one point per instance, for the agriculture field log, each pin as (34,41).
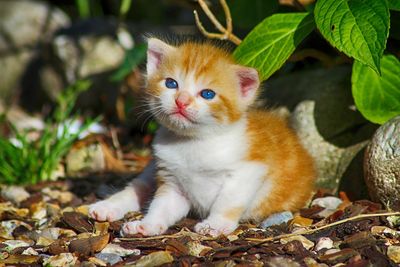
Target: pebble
(327,202)
(324,242)
(15,194)
(277,219)
(110,258)
(393,253)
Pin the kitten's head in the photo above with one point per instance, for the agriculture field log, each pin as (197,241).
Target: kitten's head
(197,86)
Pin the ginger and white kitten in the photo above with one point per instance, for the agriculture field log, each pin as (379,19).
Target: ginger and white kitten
(213,154)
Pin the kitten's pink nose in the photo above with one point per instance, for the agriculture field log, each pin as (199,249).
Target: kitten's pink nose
(183,99)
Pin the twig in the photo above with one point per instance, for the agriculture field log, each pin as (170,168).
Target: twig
(182,233)
(310,231)
(225,32)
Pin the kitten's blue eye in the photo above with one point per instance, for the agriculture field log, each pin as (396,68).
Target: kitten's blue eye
(207,94)
(171,83)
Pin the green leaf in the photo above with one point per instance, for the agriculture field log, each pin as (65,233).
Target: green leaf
(359,28)
(377,97)
(248,13)
(394,4)
(271,43)
(133,58)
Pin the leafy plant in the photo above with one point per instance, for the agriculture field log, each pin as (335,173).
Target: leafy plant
(357,28)
(29,162)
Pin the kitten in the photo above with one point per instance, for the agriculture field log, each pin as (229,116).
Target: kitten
(212,153)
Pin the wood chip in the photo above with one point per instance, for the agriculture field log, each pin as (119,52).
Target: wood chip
(77,221)
(89,246)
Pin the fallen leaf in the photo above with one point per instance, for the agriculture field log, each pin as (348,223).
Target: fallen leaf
(89,246)
(153,259)
(63,259)
(21,259)
(77,221)
(120,251)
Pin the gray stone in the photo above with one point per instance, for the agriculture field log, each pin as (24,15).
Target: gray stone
(21,35)
(276,219)
(382,164)
(110,258)
(324,117)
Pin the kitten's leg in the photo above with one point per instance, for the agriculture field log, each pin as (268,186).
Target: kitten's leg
(129,199)
(233,200)
(168,206)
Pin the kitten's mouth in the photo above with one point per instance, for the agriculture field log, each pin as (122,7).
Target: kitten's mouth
(181,114)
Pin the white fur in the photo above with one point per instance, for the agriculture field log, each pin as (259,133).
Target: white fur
(207,174)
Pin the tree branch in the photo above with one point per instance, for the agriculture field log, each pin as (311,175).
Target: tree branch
(225,32)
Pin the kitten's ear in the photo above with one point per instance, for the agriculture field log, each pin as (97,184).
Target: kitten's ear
(156,51)
(248,82)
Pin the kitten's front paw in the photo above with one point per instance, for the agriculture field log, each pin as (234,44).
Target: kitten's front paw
(215,227)
(106,211)
(140,227)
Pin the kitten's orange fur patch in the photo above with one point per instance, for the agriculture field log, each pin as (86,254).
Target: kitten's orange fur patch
(291,169)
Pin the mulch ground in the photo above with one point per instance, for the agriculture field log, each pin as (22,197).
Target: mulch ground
(50,227)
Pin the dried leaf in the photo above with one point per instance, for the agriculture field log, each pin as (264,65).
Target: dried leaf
(153,259)
(20,259)
(299,221)
(63,259)
(195,248)
(120,251)
(88,246)
(306,243)
(393,253)
(101,228)
(77,221)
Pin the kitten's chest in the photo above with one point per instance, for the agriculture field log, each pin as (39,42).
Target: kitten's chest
(200,157)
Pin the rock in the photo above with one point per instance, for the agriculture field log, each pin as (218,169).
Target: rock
(382,164)
(110,258)
(26,33)
(324,243)
(329,203)
(276,219)
(393,253)
(85,159)
(79,49)
(15,194)
(324,116)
